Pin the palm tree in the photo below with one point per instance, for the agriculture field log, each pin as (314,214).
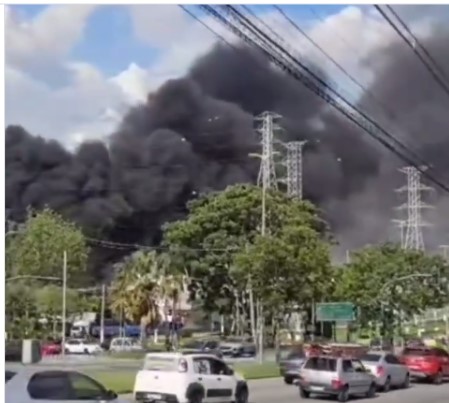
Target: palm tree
(136,291)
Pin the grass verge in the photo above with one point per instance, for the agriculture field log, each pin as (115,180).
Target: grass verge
(123,381)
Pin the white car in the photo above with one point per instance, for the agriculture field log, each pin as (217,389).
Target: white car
(387,369)
(32,385)
(80,346)
(120,344)
(188,378)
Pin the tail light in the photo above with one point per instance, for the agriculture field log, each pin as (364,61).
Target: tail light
(337,384)
(380,371)
(182,365)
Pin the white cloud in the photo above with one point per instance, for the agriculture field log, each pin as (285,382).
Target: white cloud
(90,104)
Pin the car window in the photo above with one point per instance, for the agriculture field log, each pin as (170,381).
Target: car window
(391,359)
(9,375)
(49,385)
(85,388)
(357,365)
(295,354)
(201,366)
(73,342)
(418,352)
(347,366)
(160,363)
(218,367)
(321,364)
(211,344)
(371,357)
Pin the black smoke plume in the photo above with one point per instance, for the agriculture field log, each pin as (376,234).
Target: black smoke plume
(194,134)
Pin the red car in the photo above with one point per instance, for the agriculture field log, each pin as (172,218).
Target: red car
(51,348)
(427,363)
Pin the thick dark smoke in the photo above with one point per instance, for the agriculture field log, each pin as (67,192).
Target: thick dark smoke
(194,134)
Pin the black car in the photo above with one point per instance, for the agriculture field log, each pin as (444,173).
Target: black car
(204,346)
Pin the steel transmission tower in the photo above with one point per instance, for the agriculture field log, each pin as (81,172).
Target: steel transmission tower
(267,127)
(413,225)
(294,168)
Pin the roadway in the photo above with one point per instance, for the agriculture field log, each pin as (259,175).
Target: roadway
(274,390)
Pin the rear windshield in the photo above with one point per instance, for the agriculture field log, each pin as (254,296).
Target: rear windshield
(370,357)
(321,364)
(419,352)
(160,364)
(9,375)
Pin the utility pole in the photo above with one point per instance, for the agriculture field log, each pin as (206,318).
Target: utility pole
(414,223)
(294,168)
(64,300)
(103,303)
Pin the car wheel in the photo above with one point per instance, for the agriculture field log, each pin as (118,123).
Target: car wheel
(86,351)
(196,398)
(387,386)
(343,395)
(288,380)
(242,396)
(438,378)
(304,393)
(66,351)
(406,383)
(371,391)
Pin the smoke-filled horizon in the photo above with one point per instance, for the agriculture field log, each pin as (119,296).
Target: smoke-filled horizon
(194,134)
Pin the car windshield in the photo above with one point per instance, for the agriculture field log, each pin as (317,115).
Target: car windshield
(370,357)
(160,363)
(418,352)
(321,364)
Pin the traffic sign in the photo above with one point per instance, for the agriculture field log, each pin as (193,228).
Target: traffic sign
(336,312)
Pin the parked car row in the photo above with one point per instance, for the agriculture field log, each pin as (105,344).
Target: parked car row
(344,376)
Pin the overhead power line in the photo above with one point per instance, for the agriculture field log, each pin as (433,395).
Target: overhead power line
(414,46)
(281,57)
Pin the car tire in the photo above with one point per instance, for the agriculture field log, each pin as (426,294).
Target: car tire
(66,351)
(343,395)
(304,393)
(406,383)
(371,391)
(196,398)
(86,351)
(438,378)
(242,396)
(288,380)
(387,386)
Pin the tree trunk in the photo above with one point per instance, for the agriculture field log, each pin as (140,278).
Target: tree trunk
(143,333)
(251,312)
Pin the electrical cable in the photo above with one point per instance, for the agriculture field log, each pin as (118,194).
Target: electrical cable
(444,86)
(366,123)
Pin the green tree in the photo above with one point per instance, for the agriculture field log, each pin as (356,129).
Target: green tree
(38,250)
(21,311)
(385,281)
(136,292)
(220,226)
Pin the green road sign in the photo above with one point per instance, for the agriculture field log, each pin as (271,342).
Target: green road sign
(336,311)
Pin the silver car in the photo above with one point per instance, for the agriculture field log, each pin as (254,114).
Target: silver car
(387,369)
(40,385)
(335,376)
(290,365)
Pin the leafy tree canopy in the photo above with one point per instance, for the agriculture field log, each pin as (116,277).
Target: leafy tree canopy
(39,249)
(220,225)
(373,281)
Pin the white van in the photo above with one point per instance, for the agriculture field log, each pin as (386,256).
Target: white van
(124,344)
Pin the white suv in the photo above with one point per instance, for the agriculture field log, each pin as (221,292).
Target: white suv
(188,378)
(80,346)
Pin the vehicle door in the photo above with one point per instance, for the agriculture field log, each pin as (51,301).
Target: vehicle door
(226,381)
(443,357)
(203,375)
(363,376)
(84,388)
(396,370)
(350,376)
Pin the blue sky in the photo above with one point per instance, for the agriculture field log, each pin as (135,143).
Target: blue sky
(109,42)
(72,71)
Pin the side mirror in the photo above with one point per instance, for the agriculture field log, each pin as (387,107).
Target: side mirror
(111,395)
(230,372)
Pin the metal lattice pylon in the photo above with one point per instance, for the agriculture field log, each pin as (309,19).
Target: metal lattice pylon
(413,237)
(267,172)
(294,168)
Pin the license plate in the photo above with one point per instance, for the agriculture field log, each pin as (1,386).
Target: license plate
(154,396)
(316,388)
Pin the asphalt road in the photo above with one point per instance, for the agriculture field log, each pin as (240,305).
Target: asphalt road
(274,390)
